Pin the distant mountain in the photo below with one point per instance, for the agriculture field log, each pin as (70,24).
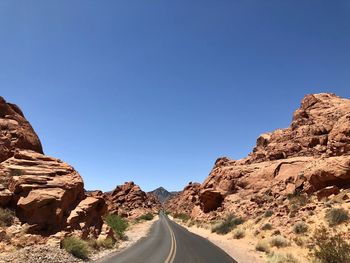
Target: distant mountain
(163,194)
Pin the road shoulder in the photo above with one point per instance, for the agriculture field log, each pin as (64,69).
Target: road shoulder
(134,233)
(243,251)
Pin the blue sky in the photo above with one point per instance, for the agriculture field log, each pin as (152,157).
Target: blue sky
(155,91)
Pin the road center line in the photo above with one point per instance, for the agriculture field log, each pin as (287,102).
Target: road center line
(172,253)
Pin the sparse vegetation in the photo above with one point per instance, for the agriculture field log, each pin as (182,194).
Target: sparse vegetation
(262,246)
(118,224)
(268,213)
(107,243)
(279,258)
(278,241)
(336,216)
(266,226)
(227,225)
(147,217)
(7,217)
(300,228)
(298,199)
(183,217)
(330,247)
(238,233)
(77,247)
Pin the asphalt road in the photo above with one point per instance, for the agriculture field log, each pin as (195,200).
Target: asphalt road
(169,242)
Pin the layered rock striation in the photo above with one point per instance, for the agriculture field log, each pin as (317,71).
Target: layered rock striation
(312,155)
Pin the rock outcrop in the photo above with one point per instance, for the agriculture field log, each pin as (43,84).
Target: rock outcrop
(312,155)
(15,131)
(184,201)
(46,194)
(128,200)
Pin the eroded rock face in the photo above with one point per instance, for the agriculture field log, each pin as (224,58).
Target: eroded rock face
(184,201)
(313,154)
(320,126)
(15,131)
(128,200)
(44,189)
(46,193)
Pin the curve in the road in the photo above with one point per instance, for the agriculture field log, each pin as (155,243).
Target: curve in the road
(169,242)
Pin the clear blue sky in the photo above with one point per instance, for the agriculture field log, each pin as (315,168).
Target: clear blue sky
(155,91)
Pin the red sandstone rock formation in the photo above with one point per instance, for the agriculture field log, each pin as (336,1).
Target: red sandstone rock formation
(15,131)
(310,155)
(184,201)
(46,193)
(128,200)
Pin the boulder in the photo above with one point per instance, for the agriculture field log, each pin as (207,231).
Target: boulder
(44,189)
(87,216)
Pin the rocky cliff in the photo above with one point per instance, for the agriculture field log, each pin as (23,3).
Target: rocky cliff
(310,156)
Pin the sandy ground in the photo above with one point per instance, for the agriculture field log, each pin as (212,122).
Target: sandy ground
(243,250)
(134,233)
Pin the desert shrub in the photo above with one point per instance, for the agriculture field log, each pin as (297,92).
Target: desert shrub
(238,233)
(298,199)
(300,228)
(229,223)
(105,243)
(268,213)
(77,247)
(336,216)
(262,246)
(148,216)
(329,247)
(279,258)
(118,224)
(278,241)
(183,217)
(6,217)
(266,226)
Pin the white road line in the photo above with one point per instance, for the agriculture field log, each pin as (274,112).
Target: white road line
(172,253)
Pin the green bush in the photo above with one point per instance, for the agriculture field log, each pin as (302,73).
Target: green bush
(268,213)
(117,223)
(278,258)
(6,217)
(266,226)
(278,241)
(77,247)
(148,216)
(229,223)
(262,246)
(300,228)
(336,216)
(330,247)
(238,233)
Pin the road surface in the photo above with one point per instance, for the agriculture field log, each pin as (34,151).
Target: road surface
(169,242)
